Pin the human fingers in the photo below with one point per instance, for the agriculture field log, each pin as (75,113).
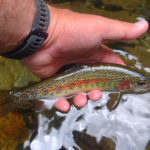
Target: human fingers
(119,30)
(80,100)
(94,95)
(105,55)
(62,105)
(108,56)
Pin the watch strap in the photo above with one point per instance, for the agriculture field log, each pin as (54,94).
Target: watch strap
(37,35)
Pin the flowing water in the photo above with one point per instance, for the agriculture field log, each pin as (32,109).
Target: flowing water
(125,128)
(108,124)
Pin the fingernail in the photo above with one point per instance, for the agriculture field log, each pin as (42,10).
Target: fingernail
(140,23)
(140,19)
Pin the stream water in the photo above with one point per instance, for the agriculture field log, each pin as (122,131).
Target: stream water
(96,127)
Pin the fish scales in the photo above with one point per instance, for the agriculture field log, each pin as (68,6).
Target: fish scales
(83,78)
(105,77)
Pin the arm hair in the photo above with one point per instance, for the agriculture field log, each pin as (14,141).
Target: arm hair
(16,18)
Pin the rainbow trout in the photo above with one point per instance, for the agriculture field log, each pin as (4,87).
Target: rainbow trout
(83,78)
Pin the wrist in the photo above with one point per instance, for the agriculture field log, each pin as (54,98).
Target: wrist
(37,35)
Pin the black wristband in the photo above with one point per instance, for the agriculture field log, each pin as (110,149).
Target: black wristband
(37,35)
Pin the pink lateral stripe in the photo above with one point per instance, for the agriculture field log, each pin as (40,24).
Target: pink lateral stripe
(77,83)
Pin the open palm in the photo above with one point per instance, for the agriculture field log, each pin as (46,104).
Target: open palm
(77,38)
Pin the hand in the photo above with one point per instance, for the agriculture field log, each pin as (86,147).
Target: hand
(76,38)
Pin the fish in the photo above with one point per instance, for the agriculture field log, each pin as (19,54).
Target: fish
(81,78)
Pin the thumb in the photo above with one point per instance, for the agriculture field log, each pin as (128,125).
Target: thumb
(118,30)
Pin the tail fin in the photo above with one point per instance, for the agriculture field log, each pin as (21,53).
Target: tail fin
(6,104)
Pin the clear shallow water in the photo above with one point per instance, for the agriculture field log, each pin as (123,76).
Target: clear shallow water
(128,126)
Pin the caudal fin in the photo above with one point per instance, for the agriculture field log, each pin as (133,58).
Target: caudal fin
(6,104)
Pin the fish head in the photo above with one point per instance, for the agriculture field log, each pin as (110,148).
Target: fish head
(134,83)
(141,84)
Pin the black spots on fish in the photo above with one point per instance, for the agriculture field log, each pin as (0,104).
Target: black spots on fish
(27,95)
(33,94)
(52,94)
(45,92)
(91,85)
(77,77)
(39,88)
(103,84)
(65,92)
(96,83)
(113,85)
(64,80)
(58,91)
(80,86)
(50,86)
(24,96)
(70,87)
(109,83)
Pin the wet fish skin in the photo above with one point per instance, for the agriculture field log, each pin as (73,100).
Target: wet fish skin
(83,78)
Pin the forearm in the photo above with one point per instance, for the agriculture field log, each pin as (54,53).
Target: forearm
(16,18)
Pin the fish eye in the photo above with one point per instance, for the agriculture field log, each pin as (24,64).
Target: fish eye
(141,82)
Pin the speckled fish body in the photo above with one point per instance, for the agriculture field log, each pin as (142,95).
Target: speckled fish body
(83,78)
